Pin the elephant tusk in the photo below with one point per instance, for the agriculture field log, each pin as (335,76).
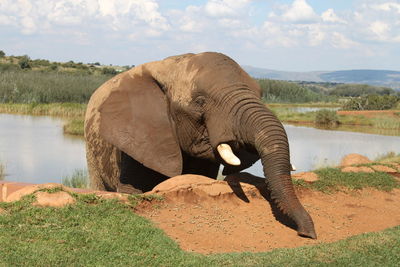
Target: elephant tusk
(292,167)
(225,151)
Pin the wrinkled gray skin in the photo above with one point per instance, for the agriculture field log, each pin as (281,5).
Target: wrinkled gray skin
(169,116)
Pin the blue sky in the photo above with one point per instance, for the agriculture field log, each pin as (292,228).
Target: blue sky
(291,35)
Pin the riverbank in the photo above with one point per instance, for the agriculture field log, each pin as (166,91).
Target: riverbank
(385,122)
(72,113)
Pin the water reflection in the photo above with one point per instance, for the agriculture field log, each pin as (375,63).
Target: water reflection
(312,148)
(35,150)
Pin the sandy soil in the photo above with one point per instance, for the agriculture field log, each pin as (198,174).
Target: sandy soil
(208,216)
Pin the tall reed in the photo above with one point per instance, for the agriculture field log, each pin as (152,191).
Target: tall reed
(47,87)
(78,179)
(2,171)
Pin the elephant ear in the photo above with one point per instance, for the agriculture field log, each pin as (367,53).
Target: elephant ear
(134,118)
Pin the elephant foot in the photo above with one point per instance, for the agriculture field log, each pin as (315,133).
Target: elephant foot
(128,189)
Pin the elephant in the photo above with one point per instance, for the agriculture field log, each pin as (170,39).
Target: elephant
(187,114)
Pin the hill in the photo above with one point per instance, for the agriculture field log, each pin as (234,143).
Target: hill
(388,78)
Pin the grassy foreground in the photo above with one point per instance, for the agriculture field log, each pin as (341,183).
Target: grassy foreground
(96,232)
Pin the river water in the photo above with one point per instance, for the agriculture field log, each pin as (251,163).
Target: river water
(34,149)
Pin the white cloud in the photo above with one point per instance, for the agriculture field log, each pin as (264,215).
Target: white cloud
(222,8)
(387,6)
(380,29)
(30,15)
(330,16)
(300,12)
(316,35)
(342,42)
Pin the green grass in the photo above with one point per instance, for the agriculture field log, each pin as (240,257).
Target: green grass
(332,180)
(78,179)
(389,157)
(309,104)
(53,109)
(285,115)
(2,171)
(326,117)
(74,127)
(47,87)
(97,232)
(386,123)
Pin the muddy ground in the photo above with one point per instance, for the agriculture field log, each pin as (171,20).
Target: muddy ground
(208,216)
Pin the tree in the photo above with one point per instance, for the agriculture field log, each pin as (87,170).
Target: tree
(24,62)
(111,71)
(2,54)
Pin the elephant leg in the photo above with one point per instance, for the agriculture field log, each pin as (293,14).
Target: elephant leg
(192,165)
(136,178)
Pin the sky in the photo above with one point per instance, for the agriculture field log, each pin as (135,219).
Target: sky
(289,35)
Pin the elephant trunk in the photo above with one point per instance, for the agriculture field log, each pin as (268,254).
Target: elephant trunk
(260,127)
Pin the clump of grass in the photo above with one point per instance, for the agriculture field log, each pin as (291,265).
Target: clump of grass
(74,127)
(326,117)
(386,123)
(389,157)
(78,179)
(2,171)
(53,109)
(333,179)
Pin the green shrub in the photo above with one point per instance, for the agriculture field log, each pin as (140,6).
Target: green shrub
(372,102)
(326,117)
(79,179)
(24,62)
(110,71)
(2,54)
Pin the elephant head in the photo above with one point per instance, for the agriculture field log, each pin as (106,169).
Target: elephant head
(203,105)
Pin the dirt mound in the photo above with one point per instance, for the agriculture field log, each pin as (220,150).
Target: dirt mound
(354,159)
(209,216)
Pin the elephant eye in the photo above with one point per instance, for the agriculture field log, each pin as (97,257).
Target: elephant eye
(200,101)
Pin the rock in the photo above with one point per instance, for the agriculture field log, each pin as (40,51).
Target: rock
(306,176)
(357,169)
(383,168)
(27,190)
(57,199)
(354,159)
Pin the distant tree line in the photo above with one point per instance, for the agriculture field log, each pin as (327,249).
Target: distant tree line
(25,63)
(355,90)
(372,102)
(283,91)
